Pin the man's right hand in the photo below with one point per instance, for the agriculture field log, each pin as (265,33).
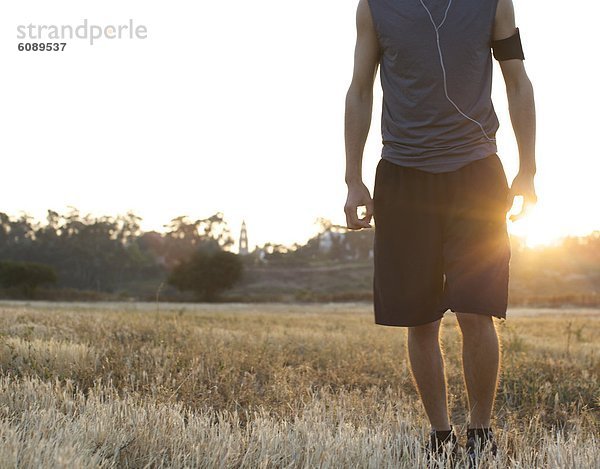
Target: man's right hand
(358,195)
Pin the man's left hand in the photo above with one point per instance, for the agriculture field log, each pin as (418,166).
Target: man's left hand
(522,185)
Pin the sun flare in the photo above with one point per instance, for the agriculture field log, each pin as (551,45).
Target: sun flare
(540,226)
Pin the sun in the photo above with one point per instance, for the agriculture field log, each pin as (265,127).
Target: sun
(546,224)
(536,228)
(533,235)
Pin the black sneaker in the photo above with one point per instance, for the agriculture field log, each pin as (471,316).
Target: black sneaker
(442,446)
(479,442)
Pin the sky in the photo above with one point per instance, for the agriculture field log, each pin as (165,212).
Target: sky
(238,107)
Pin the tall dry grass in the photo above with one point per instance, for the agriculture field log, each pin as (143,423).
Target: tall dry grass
(274,386)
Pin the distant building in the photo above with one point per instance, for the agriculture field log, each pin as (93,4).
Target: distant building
(347,245)
(328,238)
(262,255)
(243,248)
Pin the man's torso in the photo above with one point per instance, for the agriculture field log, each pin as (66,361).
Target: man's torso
(437,111)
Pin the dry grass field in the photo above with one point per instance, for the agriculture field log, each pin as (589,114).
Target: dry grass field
(275,385)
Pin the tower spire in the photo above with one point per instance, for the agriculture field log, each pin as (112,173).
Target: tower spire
(243,248)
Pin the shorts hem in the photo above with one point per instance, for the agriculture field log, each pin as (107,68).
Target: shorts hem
(383,322)
(480,311)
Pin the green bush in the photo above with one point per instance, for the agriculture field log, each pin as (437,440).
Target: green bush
(207,274)
(26,276)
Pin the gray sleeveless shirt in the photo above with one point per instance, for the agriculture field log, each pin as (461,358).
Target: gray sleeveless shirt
(436,76)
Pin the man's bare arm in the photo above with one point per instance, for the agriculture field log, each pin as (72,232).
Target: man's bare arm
(359,107)
(521,108)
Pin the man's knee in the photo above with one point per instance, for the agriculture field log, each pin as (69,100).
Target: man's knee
(472,323)
(431,329)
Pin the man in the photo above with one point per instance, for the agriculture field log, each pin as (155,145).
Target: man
(441,195)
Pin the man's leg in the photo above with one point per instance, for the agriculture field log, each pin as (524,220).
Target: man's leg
(481,364)
(427,367)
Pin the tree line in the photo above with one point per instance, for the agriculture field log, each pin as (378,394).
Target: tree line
(113,255)
(109,253)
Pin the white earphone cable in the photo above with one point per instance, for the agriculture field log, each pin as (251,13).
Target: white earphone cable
(437,35)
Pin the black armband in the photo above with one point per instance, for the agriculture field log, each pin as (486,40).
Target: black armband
(509,48)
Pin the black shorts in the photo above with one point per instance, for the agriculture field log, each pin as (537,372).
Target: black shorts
(441,242)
